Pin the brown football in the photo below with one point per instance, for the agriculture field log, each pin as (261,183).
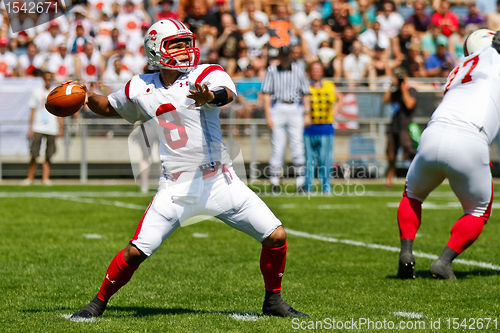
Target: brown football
(65,100)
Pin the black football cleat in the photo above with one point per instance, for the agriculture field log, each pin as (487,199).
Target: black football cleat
(441,270)
(94,309)
(274,305)
(406,269)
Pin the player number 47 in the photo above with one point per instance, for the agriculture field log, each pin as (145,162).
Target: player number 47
(472,62)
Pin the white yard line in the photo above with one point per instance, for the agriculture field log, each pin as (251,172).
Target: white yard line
(93,236)
(58,194)
(412,315)
(358,193)
(350,192)
(74,197)
(250,316)
(431,205)
(83,320)
(388,248)
(105,202)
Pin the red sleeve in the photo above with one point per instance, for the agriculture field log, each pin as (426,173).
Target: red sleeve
(207,71)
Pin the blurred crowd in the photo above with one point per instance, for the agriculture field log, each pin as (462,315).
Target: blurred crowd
(101,41)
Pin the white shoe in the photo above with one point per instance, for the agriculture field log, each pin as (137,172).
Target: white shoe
(26,182)
(46,182)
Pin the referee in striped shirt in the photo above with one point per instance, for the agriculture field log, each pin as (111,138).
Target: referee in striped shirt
(286,104)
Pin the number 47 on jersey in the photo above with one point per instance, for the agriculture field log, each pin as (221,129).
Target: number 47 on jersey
(468,66)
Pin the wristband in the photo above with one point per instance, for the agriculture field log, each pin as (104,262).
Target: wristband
(220,97)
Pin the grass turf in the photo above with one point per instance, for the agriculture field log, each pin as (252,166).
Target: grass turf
(206,276)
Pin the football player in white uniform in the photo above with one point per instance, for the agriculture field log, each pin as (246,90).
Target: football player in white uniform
(455,145)
(183,101)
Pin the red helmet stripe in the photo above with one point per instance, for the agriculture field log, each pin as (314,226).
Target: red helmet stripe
(175,22)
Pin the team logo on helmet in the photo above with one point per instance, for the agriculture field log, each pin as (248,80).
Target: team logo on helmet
(152,35)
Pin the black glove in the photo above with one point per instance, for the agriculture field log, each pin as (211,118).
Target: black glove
(496,41)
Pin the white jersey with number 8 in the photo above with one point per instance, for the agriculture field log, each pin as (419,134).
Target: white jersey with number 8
(189,136)
(472,94)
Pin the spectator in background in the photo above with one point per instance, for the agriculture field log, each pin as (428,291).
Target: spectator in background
(414,64)
(328,57)
(42,125)
(363,17)
(403,100)
(80,18)
(14,47)
(356,65)
(248,18)
(380,67)
(116,75)
(166,11)
(197,14)
(286,105)
(439,64)
(336,22)
(205,41)
(103,29)
(61,63)
(318,136)
(89,65)
(48,41)
(297,56)
(456,43)
(445,19)
(390,20)
(62,22)
(128,59)
(281,29)
(347,39)
(420,19)
(135,44)
(474,16)
(374,37)
(403,41)
(108,44)
(220,8)
(80,39)
(250,104)
(30,61)
(256,39)
(313,38)
(8,60)
(129,20)
(431,39)
(304,19)
(229,42)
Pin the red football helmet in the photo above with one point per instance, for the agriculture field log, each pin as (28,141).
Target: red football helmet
(158,39)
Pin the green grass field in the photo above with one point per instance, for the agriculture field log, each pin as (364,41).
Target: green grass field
(56,243)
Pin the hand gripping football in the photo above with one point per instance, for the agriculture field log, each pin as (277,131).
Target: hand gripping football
(66,99)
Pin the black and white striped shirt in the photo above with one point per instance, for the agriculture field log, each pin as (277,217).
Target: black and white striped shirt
(286,86)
